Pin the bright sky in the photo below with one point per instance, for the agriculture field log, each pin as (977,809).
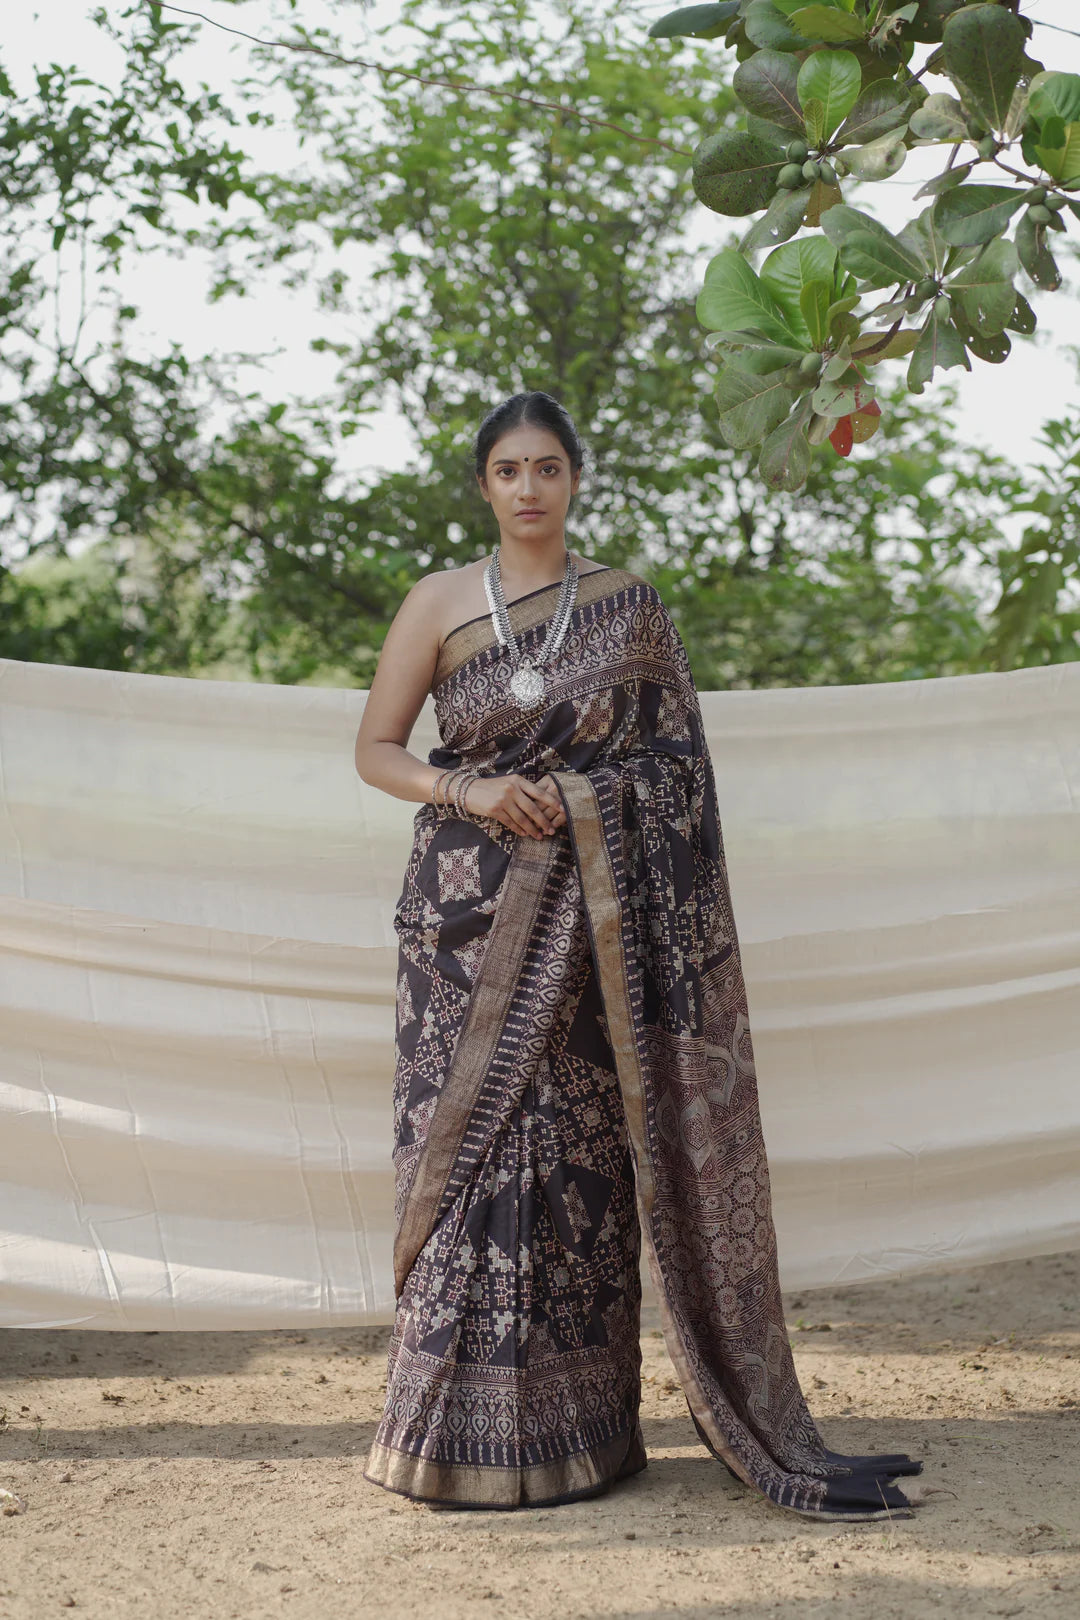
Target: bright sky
(1001,406)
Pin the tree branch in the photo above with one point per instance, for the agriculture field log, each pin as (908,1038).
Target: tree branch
(448,84)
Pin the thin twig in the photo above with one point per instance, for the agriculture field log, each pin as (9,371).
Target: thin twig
(421,78)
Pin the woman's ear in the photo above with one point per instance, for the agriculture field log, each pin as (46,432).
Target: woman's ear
(482,484)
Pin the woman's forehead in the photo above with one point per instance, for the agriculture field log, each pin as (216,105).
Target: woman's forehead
(526,443)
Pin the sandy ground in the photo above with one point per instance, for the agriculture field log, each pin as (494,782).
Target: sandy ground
(220,1474)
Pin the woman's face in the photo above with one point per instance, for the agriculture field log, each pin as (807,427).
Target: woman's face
(529,483)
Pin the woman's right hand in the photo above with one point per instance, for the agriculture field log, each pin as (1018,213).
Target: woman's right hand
(523,806)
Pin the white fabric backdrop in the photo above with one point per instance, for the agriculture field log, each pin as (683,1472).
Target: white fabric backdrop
(197,958)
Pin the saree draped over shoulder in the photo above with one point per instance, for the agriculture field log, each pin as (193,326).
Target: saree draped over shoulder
(576,1076)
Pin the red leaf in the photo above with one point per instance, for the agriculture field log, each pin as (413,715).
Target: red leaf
(842,436)
(871,409)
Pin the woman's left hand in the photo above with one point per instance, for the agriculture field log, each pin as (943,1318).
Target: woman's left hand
(553,803)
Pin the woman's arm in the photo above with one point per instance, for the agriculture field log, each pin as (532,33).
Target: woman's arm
(401,682)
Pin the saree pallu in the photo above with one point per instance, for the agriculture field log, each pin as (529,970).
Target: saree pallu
(575,1076)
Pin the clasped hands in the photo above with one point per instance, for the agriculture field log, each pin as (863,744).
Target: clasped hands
(531,808)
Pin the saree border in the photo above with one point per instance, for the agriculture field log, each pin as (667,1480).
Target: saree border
(604,912)
(496,981)
(570,1479)
(475,636)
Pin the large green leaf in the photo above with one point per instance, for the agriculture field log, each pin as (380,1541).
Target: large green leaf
(1022,319)
(880,159)
(697,22)
(881,107)
(767,85)
(769,29)
(786,454)
(940,118)
(781,220)
(869,251)
(1063,161)
(790,6)
(735,173)
(984,50)
(1035,256)
(984,288)
(925,240)
(831,78)
(940,347)
(814,304)
(818,22)
(734,298)
(969,215)
(1055,95)
(790,268)
(750,404)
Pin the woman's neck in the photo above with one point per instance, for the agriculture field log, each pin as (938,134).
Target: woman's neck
(528,565)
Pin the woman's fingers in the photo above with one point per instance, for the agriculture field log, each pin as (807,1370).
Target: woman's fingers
(534,812)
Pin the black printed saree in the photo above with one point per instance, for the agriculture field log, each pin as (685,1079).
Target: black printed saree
(576,1076)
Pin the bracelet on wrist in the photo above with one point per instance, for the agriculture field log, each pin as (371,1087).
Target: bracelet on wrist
(450,788)
(436,785)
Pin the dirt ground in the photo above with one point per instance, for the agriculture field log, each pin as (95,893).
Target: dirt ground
(175,1475)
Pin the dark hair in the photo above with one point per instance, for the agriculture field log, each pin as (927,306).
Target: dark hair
(537,410)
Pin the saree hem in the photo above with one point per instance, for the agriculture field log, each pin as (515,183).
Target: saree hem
(570,1479)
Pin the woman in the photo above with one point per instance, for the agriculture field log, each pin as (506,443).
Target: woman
(575,1068)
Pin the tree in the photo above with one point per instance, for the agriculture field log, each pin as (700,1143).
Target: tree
(503,247)
(828,91)
(503,265)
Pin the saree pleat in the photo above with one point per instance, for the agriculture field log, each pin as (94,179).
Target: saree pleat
(575,1078)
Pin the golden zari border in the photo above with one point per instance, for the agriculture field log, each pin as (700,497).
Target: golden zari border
(604,912)
(467,1485)
(489,1003)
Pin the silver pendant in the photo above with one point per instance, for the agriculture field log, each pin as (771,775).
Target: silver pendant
(526,686)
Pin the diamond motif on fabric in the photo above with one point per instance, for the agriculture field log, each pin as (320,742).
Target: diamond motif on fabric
(459,874)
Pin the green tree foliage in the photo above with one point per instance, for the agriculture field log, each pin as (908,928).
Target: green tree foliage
(478,245)
(828,90)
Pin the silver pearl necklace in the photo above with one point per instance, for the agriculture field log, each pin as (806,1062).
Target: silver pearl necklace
(526,682)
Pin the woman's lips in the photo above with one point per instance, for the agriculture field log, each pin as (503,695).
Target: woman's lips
(532,511)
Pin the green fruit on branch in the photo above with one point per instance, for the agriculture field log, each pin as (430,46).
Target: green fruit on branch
(840,166)
(1040,215)
(797,152)
(1056,204)
(1037,194)
(790,177)
(810,366)
(988,147)
(811,171)
(926,289)
(828,173)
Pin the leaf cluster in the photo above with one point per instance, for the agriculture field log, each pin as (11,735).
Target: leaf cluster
(829,94)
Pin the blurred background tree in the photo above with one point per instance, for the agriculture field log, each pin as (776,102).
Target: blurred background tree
(158,518)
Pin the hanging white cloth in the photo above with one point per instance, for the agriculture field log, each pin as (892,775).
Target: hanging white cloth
(197,973)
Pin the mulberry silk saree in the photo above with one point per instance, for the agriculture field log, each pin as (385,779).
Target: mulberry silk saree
(575,1076)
